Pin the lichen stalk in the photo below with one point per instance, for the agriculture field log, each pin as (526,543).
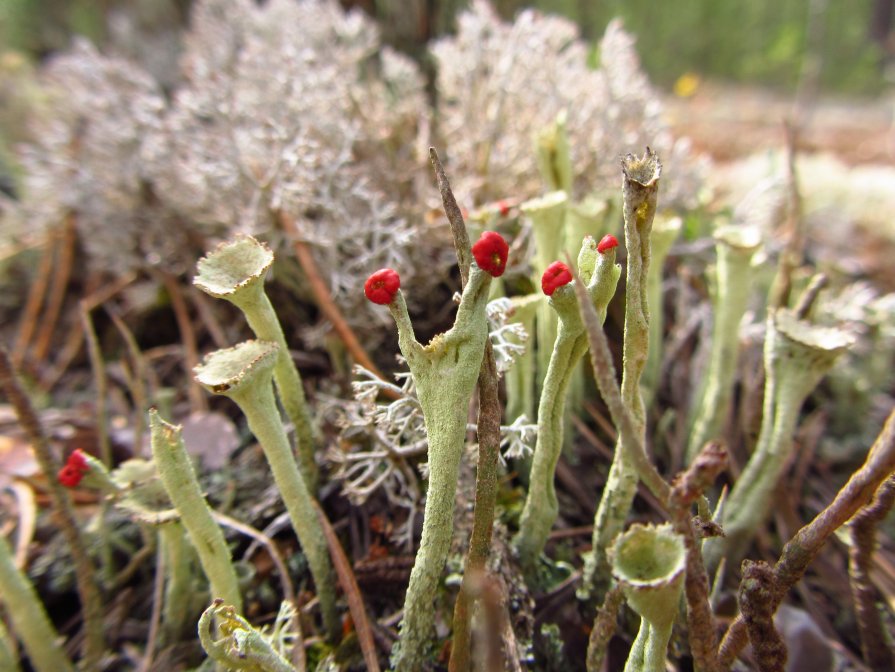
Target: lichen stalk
(243,374)
(757,607)
(179,479)
(445,372)
(640,190)
(649,563)
(235,271)
(242,647)
(797,355)
(541,506)
(547,215)
(665,232)
(735,247)
(29,618)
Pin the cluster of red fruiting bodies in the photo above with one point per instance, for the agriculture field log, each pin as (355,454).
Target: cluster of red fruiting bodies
(74,470)
(490,252)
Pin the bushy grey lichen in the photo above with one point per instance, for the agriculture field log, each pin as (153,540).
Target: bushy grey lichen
(500,84)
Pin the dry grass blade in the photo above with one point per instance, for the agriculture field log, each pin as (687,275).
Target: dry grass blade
(352,593)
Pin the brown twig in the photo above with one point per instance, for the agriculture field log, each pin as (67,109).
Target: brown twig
(56,298)
(687,489)
(809,296)
(756,607)
(487,476)
(33,304)
(137,382)
(804,547)
(605,624)
(323,297)
(85,579)
(98,365)
(791,254)
(198,402)
(874,645)
(352,593)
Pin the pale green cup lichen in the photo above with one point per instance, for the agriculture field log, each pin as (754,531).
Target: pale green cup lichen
(735,246)
(444,372)
(244,374)
(649,562)
(797,355)
(235,271)
(179,479)
(600,274)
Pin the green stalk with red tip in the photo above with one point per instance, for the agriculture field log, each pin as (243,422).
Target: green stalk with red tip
(445,373)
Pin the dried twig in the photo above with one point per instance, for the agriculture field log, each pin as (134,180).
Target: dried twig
(100,381)
(804,547)
(809,296)
(34,302)
(56,296)
(352,593)
(88,590)
(757,608)
(687,488)
(874,645)
(323,297)
(605,624)
(198,402)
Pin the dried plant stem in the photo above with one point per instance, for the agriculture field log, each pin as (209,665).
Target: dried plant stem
(352,593)
(757,608)
(640,190)
(61,276)
(34,302)
(137,381)
(324,298)
(874,645)
(801,550)
(687,489)
(100,381)
(605,624)
(188,338)
(809,296)
(63,508)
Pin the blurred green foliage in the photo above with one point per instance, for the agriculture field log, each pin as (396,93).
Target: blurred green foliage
(760,41)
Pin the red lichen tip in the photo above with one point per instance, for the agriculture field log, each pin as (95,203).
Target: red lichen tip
(503,208)
(607,242)
(382,286)
(556,275)
(71,474)
(490,252)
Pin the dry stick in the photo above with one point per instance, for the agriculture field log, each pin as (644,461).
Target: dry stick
(323,297)
(155,617)
(604,374)
(809,296)
(75,339)
(352,593)
(874,645)
(486,481)
(57,289)
(34,303)
(101,382)
(791,254)
(198,402)
(137,382)
(755,599)
(605,624)
(88,590)
(804,547)
(687,489)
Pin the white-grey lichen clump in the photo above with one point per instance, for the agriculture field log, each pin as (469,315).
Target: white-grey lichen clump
(501,83)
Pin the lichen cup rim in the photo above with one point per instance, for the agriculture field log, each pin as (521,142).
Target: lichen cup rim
(548,200)
(233,265)
(742,237)
(639,540)
(830,339)
(229,370)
